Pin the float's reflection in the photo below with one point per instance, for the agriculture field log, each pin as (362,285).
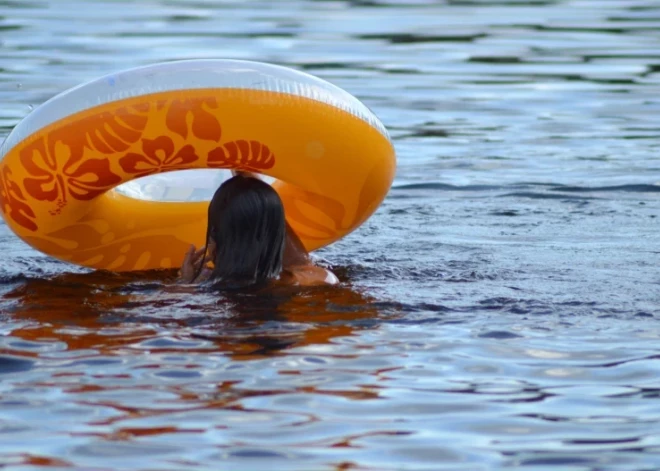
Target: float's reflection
(105,312)
(143,364)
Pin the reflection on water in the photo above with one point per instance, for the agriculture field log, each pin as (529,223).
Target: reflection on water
(499,311)
(104,341)
(106,312)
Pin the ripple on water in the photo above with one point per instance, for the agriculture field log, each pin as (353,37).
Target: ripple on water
(11,364)
(497,312)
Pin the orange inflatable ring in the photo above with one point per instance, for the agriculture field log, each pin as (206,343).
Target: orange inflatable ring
(329,157)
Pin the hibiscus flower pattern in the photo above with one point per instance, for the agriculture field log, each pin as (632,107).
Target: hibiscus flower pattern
(12,201)
(56,163)
(59,171)
(65,165)
(329,207)
(242,155)
(158,156)
(108,132)
(204,125)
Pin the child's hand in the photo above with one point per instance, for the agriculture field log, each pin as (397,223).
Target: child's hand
(191,264)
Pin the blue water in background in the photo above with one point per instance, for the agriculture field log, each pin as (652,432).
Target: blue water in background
(500,310)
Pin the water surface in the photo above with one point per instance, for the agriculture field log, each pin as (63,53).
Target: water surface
(500,310)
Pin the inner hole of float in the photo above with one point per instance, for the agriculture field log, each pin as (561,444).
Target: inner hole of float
(179,186)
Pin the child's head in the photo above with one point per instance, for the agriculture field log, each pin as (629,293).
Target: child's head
(246,231)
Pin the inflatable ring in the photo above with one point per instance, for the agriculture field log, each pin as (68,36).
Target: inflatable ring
(331,159)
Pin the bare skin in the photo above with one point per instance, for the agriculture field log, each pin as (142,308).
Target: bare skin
(297,266)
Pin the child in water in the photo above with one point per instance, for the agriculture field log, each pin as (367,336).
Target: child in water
(249,241)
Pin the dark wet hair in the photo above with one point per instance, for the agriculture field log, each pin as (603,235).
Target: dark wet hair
(246,222)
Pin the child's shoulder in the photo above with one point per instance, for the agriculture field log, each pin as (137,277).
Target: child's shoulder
(309,275)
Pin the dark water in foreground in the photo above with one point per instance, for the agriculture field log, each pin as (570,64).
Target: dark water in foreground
(500,311)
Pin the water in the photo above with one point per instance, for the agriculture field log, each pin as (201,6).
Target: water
(500,310)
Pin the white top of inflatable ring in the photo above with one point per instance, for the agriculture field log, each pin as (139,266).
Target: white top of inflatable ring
(188,75)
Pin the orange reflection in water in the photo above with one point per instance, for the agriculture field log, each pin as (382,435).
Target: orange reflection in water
(106,312)
(105,315)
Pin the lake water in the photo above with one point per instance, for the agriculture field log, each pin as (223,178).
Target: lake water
(499,311)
